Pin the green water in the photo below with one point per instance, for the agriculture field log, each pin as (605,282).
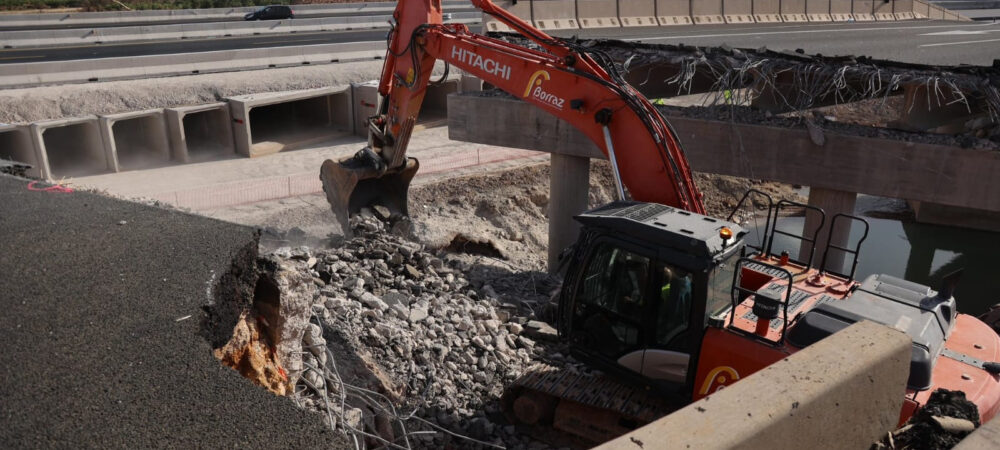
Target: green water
(921,253)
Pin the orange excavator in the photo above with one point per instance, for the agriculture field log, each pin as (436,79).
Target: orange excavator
(670,303)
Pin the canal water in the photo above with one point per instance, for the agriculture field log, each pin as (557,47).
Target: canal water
(917,252)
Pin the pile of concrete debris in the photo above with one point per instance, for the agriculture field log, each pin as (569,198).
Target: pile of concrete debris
(402,350)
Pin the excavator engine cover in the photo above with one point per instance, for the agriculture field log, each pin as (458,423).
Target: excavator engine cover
(362,181)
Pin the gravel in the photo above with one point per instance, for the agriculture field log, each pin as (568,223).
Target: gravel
(406,323)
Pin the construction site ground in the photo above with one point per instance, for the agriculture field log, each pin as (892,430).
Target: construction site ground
(122,359)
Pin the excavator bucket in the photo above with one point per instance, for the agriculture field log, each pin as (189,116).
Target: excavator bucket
(358,182)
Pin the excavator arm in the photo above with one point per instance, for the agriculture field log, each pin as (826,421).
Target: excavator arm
(574,83)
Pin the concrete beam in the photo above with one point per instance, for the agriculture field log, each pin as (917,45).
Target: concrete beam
(273,122)
(200,133)
(875,166)
(70,147)
(135,140)
(845,392)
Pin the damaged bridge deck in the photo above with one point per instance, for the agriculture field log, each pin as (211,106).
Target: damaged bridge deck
(102,342)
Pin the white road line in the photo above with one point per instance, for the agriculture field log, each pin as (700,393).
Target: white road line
(960,43)
(768,33)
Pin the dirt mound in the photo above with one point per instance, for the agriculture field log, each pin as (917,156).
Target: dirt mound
(942,423)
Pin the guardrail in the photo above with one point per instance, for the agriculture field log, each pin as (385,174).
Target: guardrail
(563,14)
(73,36)
(106,69)
(84,19)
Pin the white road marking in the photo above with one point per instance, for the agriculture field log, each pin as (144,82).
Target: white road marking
(961,32)
(960,43)
(825,30)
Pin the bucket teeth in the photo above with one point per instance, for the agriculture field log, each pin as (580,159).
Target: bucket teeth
(362,181)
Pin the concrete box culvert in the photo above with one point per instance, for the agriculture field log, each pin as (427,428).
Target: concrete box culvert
(200,133)
(264,124)
(15,145)
(136,140)
(433,110)
(71,147)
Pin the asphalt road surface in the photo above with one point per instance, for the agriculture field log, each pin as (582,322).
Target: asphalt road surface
(926,42)
(101,302)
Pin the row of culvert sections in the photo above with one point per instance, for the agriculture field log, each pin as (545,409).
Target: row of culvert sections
(244,126)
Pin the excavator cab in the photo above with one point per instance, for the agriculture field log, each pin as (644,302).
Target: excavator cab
(643,281)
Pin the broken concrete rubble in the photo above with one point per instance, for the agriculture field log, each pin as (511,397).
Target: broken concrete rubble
(396,328)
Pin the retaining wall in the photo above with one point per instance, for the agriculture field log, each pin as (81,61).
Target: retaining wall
(270,123)
(200,133)
(884,11)
(135,140)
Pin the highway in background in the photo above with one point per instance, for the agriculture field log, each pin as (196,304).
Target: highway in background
(925,42)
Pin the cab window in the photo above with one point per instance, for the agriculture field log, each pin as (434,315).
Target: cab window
(612,297)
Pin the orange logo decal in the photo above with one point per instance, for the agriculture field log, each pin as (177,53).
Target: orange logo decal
(719,377)
(536,80)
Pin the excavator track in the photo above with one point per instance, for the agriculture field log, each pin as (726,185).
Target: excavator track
(577,405)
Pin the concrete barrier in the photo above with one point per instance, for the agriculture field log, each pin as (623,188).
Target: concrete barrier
(522,10)
(200,133)
(77,36)
(70,147)
(670,12)
(269,123)
(864,10)
(903,9)
(767,11)
(135,140)
(149,17)
(554,14)
(845,392)
(818,10)
(15,145)
(597,14)
(921,9)
(106,69)
(705,12)
(738,11)
(883,11)
(841,10)
(793,11)
(637,13)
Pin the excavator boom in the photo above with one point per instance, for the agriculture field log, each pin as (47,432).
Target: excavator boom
(571,82)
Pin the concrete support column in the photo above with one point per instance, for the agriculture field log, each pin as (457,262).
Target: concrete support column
(569,184)
(832,202)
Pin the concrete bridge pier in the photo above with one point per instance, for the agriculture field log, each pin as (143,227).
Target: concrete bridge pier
(832,202)
(569,186)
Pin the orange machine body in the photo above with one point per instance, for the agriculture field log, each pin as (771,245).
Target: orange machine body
(730,353)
